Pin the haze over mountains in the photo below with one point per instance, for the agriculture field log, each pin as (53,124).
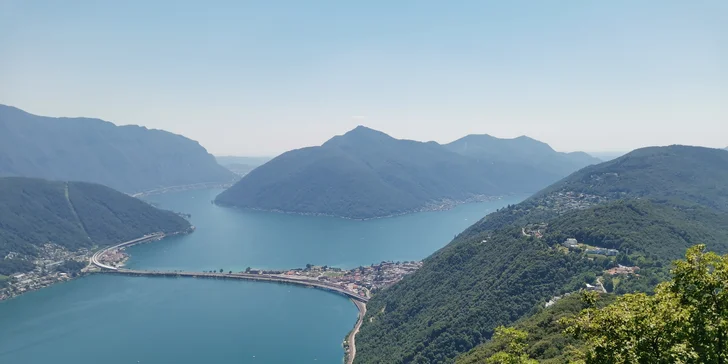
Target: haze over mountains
(127,158)
(522,150)
(366,173)
(650,204)
(241,165)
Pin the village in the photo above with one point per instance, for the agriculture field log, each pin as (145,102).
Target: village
(364,281)
(52,264)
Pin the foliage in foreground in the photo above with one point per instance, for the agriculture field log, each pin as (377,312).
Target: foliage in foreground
(686,321)
(545,339)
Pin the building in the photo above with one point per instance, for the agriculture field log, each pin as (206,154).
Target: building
(603,251)
(571,243)
(590,287)
(620,269)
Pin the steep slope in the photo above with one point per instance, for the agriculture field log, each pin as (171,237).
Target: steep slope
(496,272)
(522,150)
(546,341)
(127,158)
(366,173)
(693,174)
(73,215)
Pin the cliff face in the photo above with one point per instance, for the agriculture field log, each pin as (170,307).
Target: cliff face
(127,158)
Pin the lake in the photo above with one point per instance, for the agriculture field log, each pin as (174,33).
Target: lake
(118,319)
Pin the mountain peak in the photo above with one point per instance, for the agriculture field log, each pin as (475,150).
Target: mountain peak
(360,134)
(365,131)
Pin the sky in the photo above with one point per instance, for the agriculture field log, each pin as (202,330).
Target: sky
(263,77)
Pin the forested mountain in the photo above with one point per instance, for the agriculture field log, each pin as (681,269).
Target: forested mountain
(522,150)
(128,158)
(677,173)
(655,203)
(74,215)
(366,173)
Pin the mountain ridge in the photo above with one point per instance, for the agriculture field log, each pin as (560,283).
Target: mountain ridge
(129,158)
(366,173)
(73,215)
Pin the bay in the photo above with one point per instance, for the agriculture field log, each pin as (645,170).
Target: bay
(116,319)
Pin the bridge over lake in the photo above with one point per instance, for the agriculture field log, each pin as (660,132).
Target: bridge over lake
(275,278)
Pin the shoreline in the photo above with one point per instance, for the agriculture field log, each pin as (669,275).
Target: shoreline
(350,341)
(445,206)
(94,266)
(87,269)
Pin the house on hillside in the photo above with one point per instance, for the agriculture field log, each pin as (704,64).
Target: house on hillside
(590,287)
(620,269)
(571,243)
(603,251)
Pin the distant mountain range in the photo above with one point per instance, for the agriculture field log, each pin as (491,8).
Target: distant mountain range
(366,173)
(127,158)
(650,205)
(241,165)
(523,151)
(73,215)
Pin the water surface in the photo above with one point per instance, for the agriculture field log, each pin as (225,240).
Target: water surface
(233,239)
(117,319)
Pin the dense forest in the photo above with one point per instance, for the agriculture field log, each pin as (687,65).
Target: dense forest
(546,340)
(71,214)
(366,173)
(128,158)
(495,273)
(684,321)
(461,294)
(676,172)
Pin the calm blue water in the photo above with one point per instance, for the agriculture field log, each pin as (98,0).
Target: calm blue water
(234,239)
(114,319)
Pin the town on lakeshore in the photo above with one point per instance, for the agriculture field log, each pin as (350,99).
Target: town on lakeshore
(56,264)
(53,264)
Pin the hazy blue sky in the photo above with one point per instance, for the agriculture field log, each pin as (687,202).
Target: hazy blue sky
(262,77)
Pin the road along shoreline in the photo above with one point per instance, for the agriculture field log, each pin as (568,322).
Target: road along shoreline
(350,352)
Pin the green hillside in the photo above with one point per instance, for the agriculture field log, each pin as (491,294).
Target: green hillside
(128,158)
(460,295)
(684,321)
(366,173)
(74,215)
(677,173)
(493,274)
(546,340)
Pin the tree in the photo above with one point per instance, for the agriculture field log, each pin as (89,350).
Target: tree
(220,270)
(686,321)
(230,272)
(608,283)
(700,284)
(514,349)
